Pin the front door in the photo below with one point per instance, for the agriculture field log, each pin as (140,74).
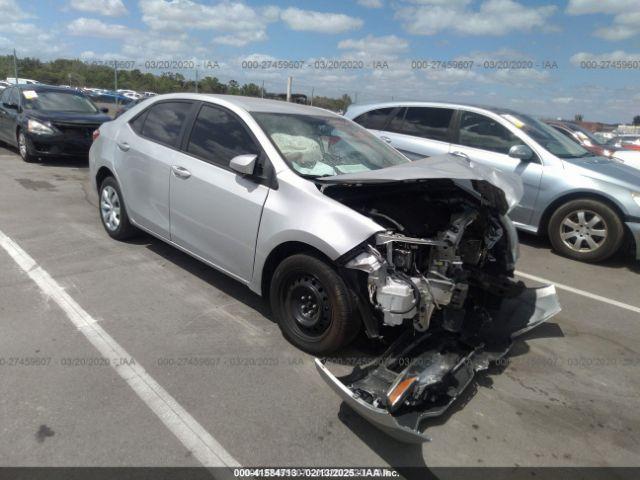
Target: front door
(486,141)
(215,212)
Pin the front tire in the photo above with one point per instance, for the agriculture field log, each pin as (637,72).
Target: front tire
(586,230)
(313,305)
(113,212)
(24,149)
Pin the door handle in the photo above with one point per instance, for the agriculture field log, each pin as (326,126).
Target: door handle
(385,139)
(180,172)
(461,154)
(124,146)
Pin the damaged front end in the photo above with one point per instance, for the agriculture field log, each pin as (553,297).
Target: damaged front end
(443,271)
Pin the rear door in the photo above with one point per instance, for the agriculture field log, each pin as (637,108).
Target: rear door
(215,212)
(485,140)
(9,116)
(5,118)
(146,148)
(420,132)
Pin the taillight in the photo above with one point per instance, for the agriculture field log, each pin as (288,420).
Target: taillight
(96,134)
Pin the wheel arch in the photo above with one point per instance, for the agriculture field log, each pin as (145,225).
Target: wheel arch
(558,202)
(281,252)
(102,173)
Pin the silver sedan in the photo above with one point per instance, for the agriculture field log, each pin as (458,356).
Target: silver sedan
(341,233)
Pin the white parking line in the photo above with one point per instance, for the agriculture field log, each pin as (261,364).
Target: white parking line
(193,436)
(583,293)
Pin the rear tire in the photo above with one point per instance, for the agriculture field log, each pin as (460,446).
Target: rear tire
(586,230)
(113,212)
(313,305)
(24,149)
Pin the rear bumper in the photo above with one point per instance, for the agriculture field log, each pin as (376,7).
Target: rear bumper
(516,316)
(634,228)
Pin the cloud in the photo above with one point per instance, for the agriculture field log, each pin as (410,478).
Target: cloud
(371,3)
(109,8)
(626,22)
(91,27)
(11,11)
(494,17)
(29,39)
(311,21)
(234,23)
(581,7)
(136,44)
(379,47)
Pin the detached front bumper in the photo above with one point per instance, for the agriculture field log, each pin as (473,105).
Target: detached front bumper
(634,228)
(443,364)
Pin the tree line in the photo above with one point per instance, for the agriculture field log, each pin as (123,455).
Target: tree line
(77,73)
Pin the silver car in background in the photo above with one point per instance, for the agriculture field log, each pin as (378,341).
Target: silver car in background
(584,203)
(339,231)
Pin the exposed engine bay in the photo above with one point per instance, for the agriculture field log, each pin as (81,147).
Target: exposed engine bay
(442,271)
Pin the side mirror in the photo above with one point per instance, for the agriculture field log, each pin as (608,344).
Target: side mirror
(521,152)
(104,110)
(244,164)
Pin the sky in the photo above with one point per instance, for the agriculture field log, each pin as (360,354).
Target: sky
(552,59)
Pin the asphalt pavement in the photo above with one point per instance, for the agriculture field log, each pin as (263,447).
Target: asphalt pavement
(569,395)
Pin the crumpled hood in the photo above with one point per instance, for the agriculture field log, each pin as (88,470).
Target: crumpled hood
(452,167)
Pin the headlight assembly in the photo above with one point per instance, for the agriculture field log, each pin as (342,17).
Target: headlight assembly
(636,197)
(35,126)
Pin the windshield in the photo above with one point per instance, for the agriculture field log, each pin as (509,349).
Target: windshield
(50,101)
(319,146)
(547,137)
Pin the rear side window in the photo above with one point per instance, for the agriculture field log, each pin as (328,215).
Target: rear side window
(218,136)
(395,125)
(375,119)
(138,122)
(164,122)
(14,97)
(427,122)
(482,132)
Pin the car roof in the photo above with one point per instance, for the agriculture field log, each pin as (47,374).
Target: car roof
(251,104)
(40,87)
(363,108)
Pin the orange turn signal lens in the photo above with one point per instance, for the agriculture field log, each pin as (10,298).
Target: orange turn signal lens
(398,392)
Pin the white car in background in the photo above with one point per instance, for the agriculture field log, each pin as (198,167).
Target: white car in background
(132,94)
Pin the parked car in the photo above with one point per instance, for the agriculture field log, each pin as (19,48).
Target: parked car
(21,81)
(582,136)
(628,141)
(131,94)
(46,121)
(583,202)
(111,98)
(4,85)
(588,141)
(338,230)
(128,106)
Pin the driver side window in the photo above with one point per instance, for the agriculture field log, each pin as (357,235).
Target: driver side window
(218,136)
(479,131)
